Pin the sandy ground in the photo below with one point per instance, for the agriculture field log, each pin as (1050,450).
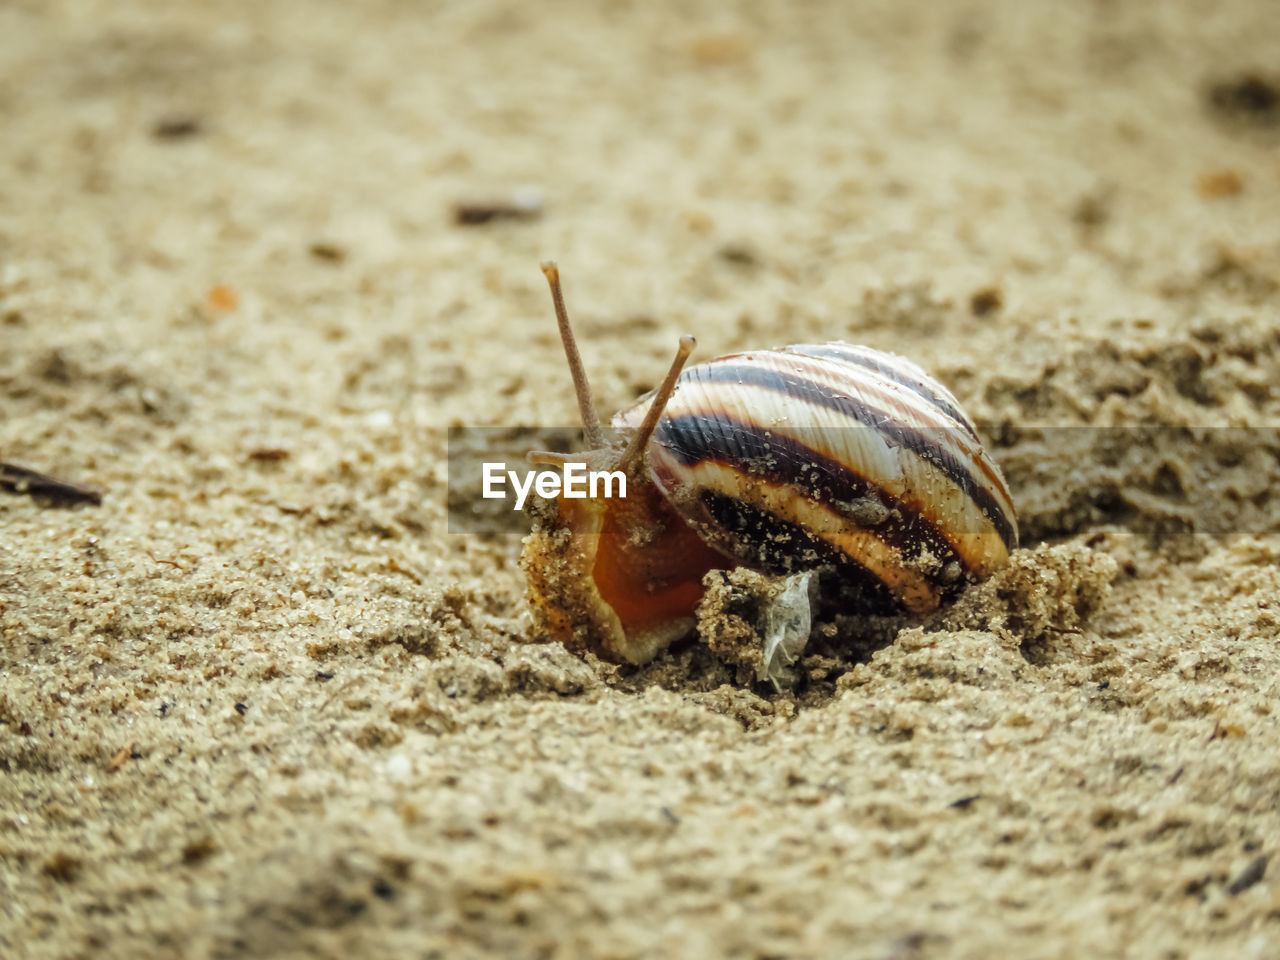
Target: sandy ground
(261,702)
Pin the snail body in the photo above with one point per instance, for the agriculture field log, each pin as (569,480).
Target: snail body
(830,457)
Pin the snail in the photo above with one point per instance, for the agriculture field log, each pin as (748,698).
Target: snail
(829,457)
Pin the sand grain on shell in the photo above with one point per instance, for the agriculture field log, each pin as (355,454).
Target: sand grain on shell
(261,702)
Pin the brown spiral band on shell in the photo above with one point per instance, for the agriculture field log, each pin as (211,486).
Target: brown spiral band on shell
(895,368)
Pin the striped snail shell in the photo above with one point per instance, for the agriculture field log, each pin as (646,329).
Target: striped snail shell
(831,457)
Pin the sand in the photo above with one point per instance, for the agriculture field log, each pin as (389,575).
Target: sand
(262,702)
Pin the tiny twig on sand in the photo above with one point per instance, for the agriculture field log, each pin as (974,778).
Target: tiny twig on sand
(524,203)
(21,480)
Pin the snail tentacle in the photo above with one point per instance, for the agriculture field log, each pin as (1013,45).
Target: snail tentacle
(590,420)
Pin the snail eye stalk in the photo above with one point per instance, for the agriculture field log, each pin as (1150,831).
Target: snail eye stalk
(635,450)
(590,420)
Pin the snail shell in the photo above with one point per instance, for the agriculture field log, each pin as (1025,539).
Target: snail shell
(832,457)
